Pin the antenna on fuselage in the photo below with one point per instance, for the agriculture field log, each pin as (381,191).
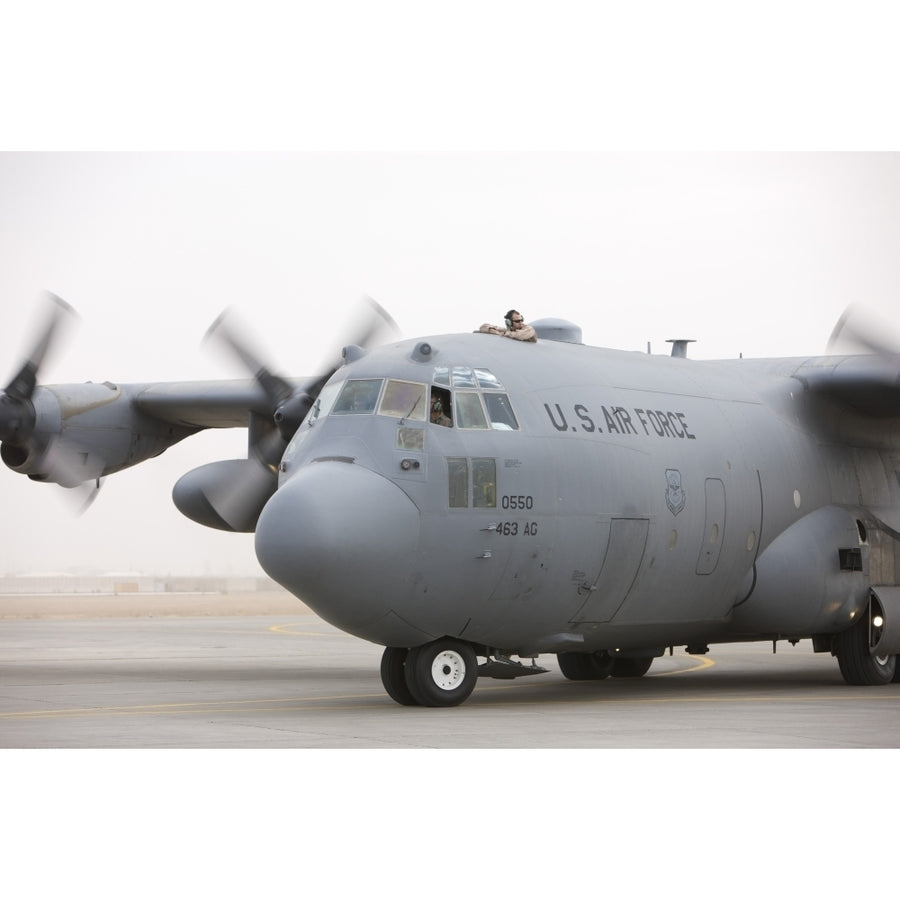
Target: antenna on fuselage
(679,346)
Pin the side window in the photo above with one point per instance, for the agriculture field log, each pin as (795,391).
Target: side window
(440,412)
(358,397)
(500,412)
(484,483)
(458,470)
(469,413)
(323,403)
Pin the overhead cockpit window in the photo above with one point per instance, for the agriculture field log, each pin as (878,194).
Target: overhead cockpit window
(488,380)
(463,377)
(442,375)
(500,412)
(469,412)
(403,400)
(358,397)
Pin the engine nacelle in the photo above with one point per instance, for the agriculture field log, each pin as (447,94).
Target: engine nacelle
(228,495)
(81,432)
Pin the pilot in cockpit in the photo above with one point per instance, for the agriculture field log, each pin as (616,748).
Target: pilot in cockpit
(515,328)
(438,399)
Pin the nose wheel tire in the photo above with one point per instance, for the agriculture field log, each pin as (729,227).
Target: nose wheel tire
(393,675)
(442,673)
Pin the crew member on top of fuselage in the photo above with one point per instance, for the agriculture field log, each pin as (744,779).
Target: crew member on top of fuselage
(515,328)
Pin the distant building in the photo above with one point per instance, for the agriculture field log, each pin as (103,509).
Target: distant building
(132,583)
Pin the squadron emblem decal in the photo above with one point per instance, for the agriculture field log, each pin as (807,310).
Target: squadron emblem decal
(675,498)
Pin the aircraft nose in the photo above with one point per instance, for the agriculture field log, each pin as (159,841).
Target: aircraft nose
(343,539)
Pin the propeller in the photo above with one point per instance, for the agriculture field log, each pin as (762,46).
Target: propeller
(231,494)
(851,332)
(291,404)
(17,415)
(59,459)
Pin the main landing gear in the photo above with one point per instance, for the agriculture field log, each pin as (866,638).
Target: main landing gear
(597,666)
(853,649)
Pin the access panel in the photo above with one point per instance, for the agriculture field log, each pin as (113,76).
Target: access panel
(714,529)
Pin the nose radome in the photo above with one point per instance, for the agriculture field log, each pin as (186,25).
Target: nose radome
(343,539)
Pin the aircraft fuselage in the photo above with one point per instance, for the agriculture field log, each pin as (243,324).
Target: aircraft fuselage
(630,503)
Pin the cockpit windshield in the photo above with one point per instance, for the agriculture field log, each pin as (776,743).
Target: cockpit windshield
(359,396)
(403,400)
(458,396)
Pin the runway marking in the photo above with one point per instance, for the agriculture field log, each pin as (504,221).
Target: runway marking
(702,662)
(177,708)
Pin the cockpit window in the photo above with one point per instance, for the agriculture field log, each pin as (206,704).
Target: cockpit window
(358,396)
(488,380)
(403,400)
(500,412)
(442,375)
(324,402)
(440,412)
(463,377)
(469,413)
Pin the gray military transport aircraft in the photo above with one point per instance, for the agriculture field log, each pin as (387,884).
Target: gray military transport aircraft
(464,496)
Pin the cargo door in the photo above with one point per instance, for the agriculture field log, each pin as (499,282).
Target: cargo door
(622,559)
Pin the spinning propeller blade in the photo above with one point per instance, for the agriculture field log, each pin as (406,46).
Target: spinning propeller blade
(16,409)
(231,494)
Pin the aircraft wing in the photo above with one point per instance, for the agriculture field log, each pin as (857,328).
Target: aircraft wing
(204,404)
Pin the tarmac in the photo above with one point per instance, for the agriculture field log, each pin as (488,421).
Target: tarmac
(262,671)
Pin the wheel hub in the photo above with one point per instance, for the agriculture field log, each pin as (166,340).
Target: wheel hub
(448,670)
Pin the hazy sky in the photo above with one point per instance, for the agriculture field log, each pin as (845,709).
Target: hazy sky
(754,253)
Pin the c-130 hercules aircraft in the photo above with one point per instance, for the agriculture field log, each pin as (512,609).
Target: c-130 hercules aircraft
(601,505)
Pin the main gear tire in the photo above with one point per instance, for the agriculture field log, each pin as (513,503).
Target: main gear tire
(858,666)
(631,668)
(585,666)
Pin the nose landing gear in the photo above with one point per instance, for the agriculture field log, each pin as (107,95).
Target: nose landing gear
(442,673)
